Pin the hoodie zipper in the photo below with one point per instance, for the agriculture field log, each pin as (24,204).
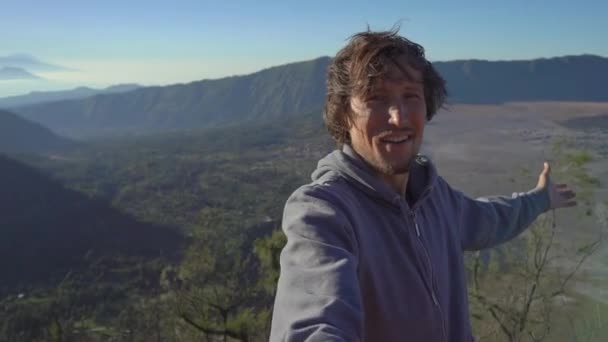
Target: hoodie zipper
(430,266)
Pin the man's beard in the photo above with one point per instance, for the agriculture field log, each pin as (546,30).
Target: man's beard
(391,170)
(386,168)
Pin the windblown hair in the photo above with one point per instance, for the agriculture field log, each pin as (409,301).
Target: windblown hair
(364,60)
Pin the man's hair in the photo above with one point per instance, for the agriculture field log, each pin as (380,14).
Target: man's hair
(363,60)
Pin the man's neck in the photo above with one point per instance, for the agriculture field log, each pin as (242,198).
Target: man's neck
(397,182)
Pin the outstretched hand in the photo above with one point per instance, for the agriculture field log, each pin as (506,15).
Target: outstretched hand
(560,195)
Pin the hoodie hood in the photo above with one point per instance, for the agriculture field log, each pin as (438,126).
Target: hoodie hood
(348,164)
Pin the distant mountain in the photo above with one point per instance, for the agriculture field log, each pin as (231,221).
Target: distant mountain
(18,135)
(29,62)
(120,88)
(291,89)
(569,78)
(12,73)
(37,97)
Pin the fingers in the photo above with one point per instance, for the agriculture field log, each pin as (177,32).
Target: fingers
(567,194)
(564,191)
(566,198)
(565,204)
(562,196)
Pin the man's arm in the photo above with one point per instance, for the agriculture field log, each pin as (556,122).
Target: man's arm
(318,296)
(488,221)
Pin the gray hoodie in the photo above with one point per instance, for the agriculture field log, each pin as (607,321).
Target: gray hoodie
(362,263)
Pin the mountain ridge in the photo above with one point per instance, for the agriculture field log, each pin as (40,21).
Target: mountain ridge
(37,97)
(281,91)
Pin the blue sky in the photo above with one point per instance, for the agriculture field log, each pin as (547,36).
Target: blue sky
(162,42)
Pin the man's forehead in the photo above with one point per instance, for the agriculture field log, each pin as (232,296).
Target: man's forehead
(397,69)
(395,75)
(386,71)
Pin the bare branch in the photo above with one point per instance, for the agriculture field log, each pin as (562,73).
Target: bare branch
(210,330)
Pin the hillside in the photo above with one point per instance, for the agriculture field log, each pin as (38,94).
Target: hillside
(18,135)
(222,188)
(225,189)
(47,230)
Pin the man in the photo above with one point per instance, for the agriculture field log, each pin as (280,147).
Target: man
(375,243)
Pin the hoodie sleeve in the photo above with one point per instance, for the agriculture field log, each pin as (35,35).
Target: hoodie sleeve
(488,221)
(318,296)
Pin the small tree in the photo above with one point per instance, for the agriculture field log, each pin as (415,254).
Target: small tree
(516,298)
(217,288)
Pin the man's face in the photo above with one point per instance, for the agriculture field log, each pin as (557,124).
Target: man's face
(389,122)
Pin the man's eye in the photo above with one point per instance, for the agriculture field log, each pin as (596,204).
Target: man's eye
(376,99)
(411,96)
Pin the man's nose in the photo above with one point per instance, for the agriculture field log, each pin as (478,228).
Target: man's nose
(397,114)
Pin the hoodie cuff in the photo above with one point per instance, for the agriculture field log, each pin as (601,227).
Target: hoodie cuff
(540,198)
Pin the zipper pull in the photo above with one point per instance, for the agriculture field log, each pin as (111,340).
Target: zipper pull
(415,224)
(434,297)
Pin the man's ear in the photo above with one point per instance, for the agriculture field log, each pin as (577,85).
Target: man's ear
(350,121)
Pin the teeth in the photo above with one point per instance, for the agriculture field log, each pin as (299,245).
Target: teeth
(396,139)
